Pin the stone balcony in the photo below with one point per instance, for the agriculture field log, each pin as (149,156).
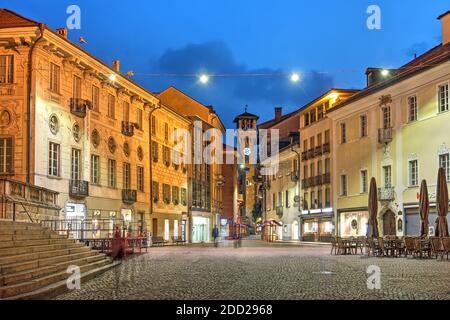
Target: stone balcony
(78,188)
(80,106)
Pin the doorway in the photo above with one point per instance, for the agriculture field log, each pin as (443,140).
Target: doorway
(295,230)
(155,227)
(389,224)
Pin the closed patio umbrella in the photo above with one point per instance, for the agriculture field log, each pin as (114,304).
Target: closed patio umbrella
(373,209)
(442,204)
(424,208)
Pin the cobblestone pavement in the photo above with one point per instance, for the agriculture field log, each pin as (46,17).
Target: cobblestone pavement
(264,271)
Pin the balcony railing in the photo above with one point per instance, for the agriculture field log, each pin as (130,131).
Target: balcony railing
(78,188)
(318,180)
(79,106)
(128,128)
(312,181)
(311,153)
(129,196)
(386,194)
(326,147)
(318,151)
(304,155)
(326,178)
(384,135)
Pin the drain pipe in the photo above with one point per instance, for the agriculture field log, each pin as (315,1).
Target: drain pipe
(29,84)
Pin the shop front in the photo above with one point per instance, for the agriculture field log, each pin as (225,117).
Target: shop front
(200,229)
(353,223)
(317,228)
(413,220)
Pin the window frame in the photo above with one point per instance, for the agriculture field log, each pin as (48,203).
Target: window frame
(4,157)
(51,167)
(95,177)
(416,111)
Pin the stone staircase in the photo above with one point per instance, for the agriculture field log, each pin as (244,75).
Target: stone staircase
(34,261)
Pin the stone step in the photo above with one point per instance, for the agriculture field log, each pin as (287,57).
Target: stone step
(35,242)
(24,231)
(4,252)
(25,290)
(19,237)
(28,275)
(7,224)
(33,264)
(40,255)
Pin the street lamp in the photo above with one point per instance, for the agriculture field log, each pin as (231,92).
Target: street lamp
(295,77)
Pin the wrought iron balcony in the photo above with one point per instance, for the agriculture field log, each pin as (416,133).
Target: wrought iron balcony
(304,155)
(311,153)
(78,188)
(319,180)
(318,151)
(312,182)
(79,106)
(128,128)
(326,147)
(129,196)
(384,135)
(386,194)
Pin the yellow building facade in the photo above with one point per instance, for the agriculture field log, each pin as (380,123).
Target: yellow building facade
(396,131)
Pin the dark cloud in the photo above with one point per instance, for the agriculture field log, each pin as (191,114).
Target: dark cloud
(230,93)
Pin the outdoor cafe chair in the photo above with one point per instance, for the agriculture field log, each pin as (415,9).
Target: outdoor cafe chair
(343,246)
(422,247)
(334,245)
(445,246)
(410,247)
(436,247)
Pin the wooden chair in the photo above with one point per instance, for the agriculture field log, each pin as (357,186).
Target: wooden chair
(421,248)
(410,247)
(361,243)
(334,245)
(445,246)
(343,246)
(436,247)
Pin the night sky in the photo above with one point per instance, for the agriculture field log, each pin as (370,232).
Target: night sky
(326,41)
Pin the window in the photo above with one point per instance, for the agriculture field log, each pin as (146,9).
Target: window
(95,98)
(343,185)
(140,178)
(311,142)
(6,68)
(312,116)
(305,201)
(111,106)
(312,170)
(305,171)
(126,111)
(175,195)
(412,108)
(75,165)
(53,159)
(286,198)
(363,125)
(319,199)
(319,168)
(363,181)
(313,200)
(154,151)
(413,173)
(327,136)
(153,128)
(155,191)
(95,169)
(76,89)
(6,155)
(305,145)
(387,176)
(166,155)
(183,196)
(386,117)
(320,112)
(139,118)
(444,163)
(166,132)
(111,173)
(306,119)
(166,193)
(443,98)
(327,198)
(279,199)
(54,77)
(343,133)
(319,139)
(274,200)
(126,176)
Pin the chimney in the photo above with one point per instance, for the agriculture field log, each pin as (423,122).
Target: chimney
(278,111)
(445,21)
(62,32)
(116,65)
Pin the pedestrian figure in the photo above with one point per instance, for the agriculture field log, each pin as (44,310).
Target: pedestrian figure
(215,235)
(117,247)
